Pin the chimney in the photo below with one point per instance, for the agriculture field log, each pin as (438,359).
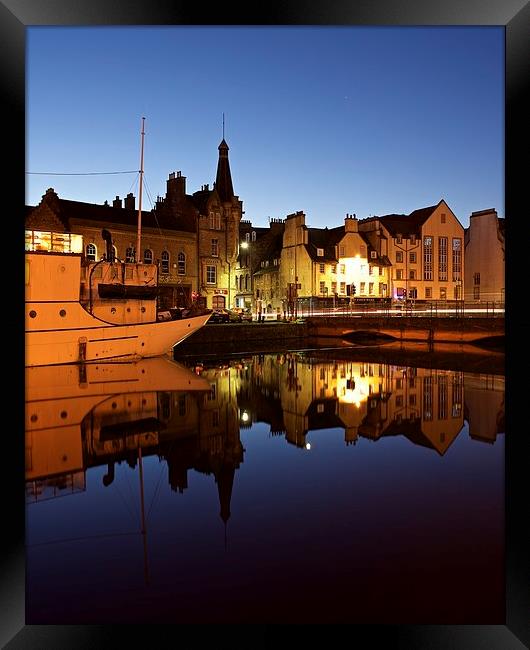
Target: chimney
(351,224)
(176,184)
(117,202)
(129,201)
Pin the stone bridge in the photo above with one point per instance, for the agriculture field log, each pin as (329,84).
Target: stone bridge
(428,329)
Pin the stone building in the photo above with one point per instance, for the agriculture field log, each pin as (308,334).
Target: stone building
(193,238)
(484,255)
(425,249)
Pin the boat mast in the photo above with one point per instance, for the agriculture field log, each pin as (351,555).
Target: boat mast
(139,236)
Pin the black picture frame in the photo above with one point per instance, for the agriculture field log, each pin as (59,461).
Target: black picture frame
(514,15)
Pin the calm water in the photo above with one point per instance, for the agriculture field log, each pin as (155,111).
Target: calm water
(270,488)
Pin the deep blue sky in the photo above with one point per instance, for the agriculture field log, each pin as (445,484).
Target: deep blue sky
(326,120)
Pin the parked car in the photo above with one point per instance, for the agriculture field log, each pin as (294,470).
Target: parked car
(225,316)
(246,314)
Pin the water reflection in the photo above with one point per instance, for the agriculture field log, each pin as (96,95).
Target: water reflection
(83,417)
(299,494)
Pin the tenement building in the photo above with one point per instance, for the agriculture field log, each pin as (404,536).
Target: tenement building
(193,238)
(484,246)
(425,249)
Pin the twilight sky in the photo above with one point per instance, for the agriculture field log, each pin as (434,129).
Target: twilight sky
(328,120)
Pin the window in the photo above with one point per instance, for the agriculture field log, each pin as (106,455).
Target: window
(342,269)
(476,293)
(443,293)
(322,268)
(399,239)
(457,259)
(413,293)
(215,221)
(380,270)
(412,240)
(371,288)
(341,251)
(413,258)
(320,252)
(412,275)
(333,268)
(373,255)
(130,254)
(370,270)
(363,287)
(442,217)
(343,287)
(476,279)
(322,287)
(427,258)
(427,398)
(399,274)
(164,267)
(148,256)
(399,257)
(253,235)
(428,292)
(442,258)
(91,253)
(363,250)
(333,287)
(247,237)
(215,247)
(211,275)
(181,262)
(442,397)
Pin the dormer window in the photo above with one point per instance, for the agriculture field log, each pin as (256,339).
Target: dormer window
(373,254)
(320,252)
(413,239)
(399,239)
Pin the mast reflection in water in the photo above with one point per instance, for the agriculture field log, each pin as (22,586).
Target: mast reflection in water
(253,491)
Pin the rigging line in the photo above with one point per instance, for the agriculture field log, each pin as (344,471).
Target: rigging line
(156,490)
(133,514)
(153,211)
(133,171)
(135,181)
(80,539)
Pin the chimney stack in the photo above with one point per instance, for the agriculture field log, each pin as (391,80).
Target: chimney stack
(117,202)
(129,201)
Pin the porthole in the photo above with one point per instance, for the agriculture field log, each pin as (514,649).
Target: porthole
(128,309)
(32,313)
(113,310)
(114,405)
(142,310)
(34,418)
(62,313)
(64,414)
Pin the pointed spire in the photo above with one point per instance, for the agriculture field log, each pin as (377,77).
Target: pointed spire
(225,483)
(223,180)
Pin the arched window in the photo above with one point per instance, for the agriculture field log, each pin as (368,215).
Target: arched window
(148,256)
(164,267)
(130,254)
(91,252)
(181,260)
(240,283)
(253,235)
(246,282)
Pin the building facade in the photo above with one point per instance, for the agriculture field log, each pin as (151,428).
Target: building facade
(193,238)
(484,254)
(425,250)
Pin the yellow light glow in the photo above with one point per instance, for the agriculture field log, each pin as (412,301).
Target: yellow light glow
(244,416)
(308,446)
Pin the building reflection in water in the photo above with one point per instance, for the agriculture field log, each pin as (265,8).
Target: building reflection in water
(107,414)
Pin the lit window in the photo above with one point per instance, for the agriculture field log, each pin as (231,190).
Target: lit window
(130,254)
(215,247)
(399,256)
(181,261)
(91,252)
(211,275)
(322,268)
(320,252)
(164,267)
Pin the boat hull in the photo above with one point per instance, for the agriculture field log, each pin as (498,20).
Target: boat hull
(101,341)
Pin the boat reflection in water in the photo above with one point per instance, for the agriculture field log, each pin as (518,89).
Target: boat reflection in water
(78,415)
(85,422)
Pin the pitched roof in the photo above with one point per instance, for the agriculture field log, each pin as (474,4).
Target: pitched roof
(405,224)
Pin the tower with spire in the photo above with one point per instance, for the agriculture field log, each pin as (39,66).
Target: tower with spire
(220,212)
